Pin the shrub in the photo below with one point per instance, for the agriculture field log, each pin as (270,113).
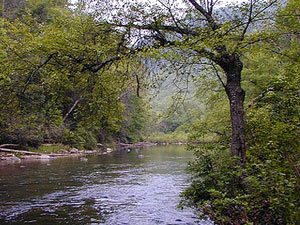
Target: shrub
(81,138)
(266,192)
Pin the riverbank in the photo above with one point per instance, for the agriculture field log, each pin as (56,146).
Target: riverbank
(9,153)
(19,156)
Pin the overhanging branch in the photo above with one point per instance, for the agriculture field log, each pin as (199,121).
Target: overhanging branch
(34,72)
(206,14)
(96,67)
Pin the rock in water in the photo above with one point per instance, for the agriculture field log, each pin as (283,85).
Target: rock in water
(84,159)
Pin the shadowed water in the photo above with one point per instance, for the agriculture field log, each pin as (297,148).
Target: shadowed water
(136,187)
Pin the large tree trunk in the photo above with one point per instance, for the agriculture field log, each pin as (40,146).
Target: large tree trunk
(236,99)
(233,68)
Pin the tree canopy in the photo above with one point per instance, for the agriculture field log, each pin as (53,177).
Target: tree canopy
(61,71)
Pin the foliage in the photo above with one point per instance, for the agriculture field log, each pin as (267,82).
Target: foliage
(170,137)
(267,191)
(216,185)
(51,148)
(221,191)
(80,138)
(137,118)
(12,8)
(62,77)
(173,111)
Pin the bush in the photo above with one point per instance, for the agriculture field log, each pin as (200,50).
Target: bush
(22,130)
(217,188)
(54,133)
(221,191)
(81,138)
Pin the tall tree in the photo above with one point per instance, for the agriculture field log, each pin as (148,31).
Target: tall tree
(270,192)
(203,32)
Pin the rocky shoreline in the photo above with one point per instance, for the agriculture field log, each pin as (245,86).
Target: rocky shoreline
(8,156)
(15,158)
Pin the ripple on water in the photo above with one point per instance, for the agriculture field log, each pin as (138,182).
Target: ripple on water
(116,189)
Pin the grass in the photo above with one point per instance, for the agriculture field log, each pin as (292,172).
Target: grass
(51,148)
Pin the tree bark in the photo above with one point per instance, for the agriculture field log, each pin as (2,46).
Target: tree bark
(233,66)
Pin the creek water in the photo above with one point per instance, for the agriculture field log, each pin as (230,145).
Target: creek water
(134,187)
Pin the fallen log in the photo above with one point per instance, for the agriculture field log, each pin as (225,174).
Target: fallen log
(19,151)
(57,154)
(8,145)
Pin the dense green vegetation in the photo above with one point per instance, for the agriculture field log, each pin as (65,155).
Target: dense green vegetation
(267,191)
(64,79)
(76,76)
(173,113)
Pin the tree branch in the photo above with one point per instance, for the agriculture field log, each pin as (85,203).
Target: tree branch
(72,108)
(206,14)
(96,67)
(260,96)
(176,29)
(218,75)
(215,131)
(8,145)
(33,73)
(248,22)
(173,17)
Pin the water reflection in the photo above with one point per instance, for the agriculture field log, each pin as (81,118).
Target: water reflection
(140,186)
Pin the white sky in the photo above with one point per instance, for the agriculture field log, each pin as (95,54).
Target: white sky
(180,2)
(223,1)
(220,2)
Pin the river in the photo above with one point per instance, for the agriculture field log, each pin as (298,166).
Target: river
(134,187)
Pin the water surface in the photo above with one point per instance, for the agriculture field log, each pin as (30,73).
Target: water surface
(138,186)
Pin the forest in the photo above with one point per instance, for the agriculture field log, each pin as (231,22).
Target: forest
(222,77)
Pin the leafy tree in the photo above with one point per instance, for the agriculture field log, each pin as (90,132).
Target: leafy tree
(61,73)
(269,194)
(136,118)
(200,34)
